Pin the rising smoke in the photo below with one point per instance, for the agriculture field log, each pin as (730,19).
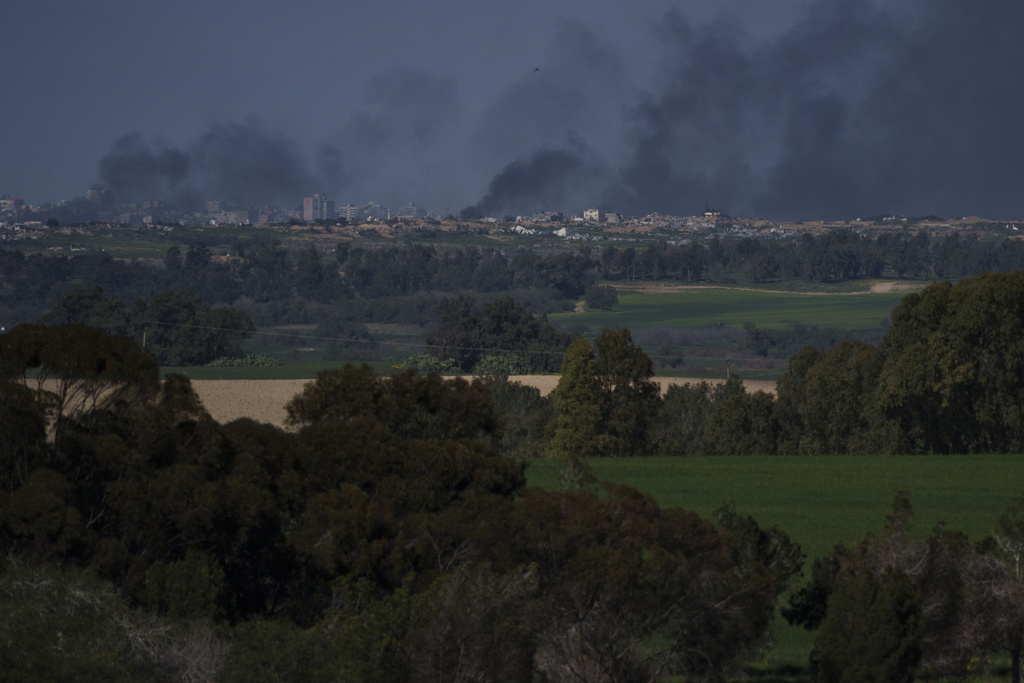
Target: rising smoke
(548,178)
(859,108)
(862,107)
(240,162)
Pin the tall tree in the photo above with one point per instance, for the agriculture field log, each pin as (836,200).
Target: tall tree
(994,592)
(180,328)
(872,631)
(837,399)
(578,403)
(631,396)
(953,374)
(74,367)
(87,306)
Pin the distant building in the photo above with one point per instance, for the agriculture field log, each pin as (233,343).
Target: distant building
(613,218)
(543,217)
(593,215)
(317,208)
(410,211)
(97,194)
(10,204)
(349,213)
(374,211)
(236,217)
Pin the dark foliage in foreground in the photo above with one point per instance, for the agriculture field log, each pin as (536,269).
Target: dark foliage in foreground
(383,539)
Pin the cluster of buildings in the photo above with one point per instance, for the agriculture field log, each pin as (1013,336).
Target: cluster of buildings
(99,205)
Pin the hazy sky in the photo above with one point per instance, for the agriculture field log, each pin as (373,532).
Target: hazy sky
(776,108)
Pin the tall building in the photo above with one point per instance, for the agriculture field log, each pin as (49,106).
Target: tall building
(317,208)
(98,195)
(349,213)
(410,211)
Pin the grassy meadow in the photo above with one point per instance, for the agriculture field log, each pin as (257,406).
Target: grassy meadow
(706,306)
(821,501)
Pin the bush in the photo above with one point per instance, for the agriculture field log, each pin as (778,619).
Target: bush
(600,297)
(250,360)
(428,362)
(503,363)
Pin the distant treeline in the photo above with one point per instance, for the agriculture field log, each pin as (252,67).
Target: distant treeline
(274,285)
(948,377)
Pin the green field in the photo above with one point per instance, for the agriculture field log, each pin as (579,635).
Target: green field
(702,307)
(821,501)
(684,308)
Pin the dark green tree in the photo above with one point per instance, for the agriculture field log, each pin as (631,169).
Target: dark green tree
(837,397)
(64,625)
(457,332)
(578,403)
(631,397)
(938,571)
(602,297)
(179,328)
(74,368)
(993,614)
(525,415)
(742,424)
(952,378)
(87,306)
(633,592)
(872,630)
(791,398)
(410,405)
(678,427)
(23,439)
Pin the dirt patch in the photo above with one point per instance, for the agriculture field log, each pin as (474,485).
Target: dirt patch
(890,287)
(260,400)
(886,287)
(264,400)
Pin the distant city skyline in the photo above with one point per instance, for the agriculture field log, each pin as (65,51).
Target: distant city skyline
(794,109)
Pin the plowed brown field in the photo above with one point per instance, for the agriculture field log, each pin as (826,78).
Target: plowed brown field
(264,400)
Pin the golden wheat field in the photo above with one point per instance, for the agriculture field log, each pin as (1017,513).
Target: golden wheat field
(264,400)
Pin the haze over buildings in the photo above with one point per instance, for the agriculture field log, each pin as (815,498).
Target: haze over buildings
(789,109)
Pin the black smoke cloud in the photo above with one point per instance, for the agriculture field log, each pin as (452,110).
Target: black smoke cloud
(135,168)
(859,108)
(862,107)
(548,178)
(575,94)
(240,162)
(394,141)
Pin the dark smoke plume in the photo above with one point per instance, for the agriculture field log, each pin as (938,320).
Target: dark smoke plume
(403,126)
(862,107)
(136,169)
(548,179)
(234,161)
(909,107)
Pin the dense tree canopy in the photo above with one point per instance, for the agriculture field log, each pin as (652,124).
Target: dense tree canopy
(179,328)
(387,537)
(468,333)
(953,376)
(384,538)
